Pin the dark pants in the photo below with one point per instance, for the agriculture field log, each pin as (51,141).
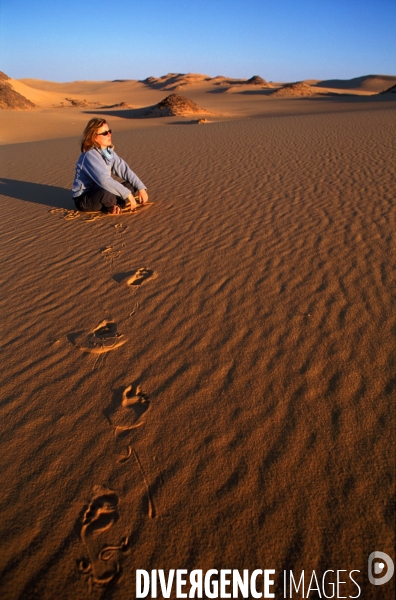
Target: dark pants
(97,199)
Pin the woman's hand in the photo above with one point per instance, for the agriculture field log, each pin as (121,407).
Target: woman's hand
(143,196)
(132,202)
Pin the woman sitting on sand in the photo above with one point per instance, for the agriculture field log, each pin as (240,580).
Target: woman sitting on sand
(94,189)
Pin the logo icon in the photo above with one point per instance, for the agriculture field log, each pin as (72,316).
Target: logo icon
(376,566)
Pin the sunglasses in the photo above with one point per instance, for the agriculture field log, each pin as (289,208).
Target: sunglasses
(105,132)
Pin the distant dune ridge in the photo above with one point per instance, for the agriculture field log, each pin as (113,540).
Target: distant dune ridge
(230,84)
(391,90)
(124,94)
(367,83)
(175,81)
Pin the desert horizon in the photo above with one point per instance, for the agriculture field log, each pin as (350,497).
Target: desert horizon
(128,102)
(208,383)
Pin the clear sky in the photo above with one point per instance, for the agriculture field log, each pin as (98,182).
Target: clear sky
(281,40)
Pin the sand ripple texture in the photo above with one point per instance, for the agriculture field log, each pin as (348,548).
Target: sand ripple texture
(264,342)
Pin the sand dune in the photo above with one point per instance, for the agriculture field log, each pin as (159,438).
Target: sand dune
(368,83)
(391,90)
(82,93)
(255,80)
(175,81)
(40,98)
(140,94)
(209,383)
(178,81)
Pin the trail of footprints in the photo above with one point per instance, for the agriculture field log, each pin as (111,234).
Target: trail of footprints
(102,565)
(105,337)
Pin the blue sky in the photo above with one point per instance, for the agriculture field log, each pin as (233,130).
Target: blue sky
(281,40)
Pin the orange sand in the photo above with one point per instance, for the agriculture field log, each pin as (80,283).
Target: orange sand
(247,421)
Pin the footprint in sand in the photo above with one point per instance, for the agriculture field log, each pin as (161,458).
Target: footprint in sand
(92,216)
(139,276)
(65,213)
(103,565)
(109,253)
(124,417)
(120,228)
(102,339)
(127,415)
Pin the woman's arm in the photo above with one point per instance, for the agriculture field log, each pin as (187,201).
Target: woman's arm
(121,169)
(97,170)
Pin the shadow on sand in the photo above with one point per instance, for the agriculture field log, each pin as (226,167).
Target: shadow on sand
(189,122)
(140,113)
(325,95)
(48,195)
(130,113)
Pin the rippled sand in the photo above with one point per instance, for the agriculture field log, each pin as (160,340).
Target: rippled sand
(247,421)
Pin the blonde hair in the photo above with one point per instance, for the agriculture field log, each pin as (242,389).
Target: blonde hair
(90,132)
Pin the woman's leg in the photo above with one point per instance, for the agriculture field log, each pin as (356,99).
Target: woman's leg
(96,200)
(130,187)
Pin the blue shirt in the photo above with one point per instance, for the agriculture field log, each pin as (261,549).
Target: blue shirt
(93,169)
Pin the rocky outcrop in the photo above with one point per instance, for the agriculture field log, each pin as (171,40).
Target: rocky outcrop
(174,105)
(9,98)
(294,89)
